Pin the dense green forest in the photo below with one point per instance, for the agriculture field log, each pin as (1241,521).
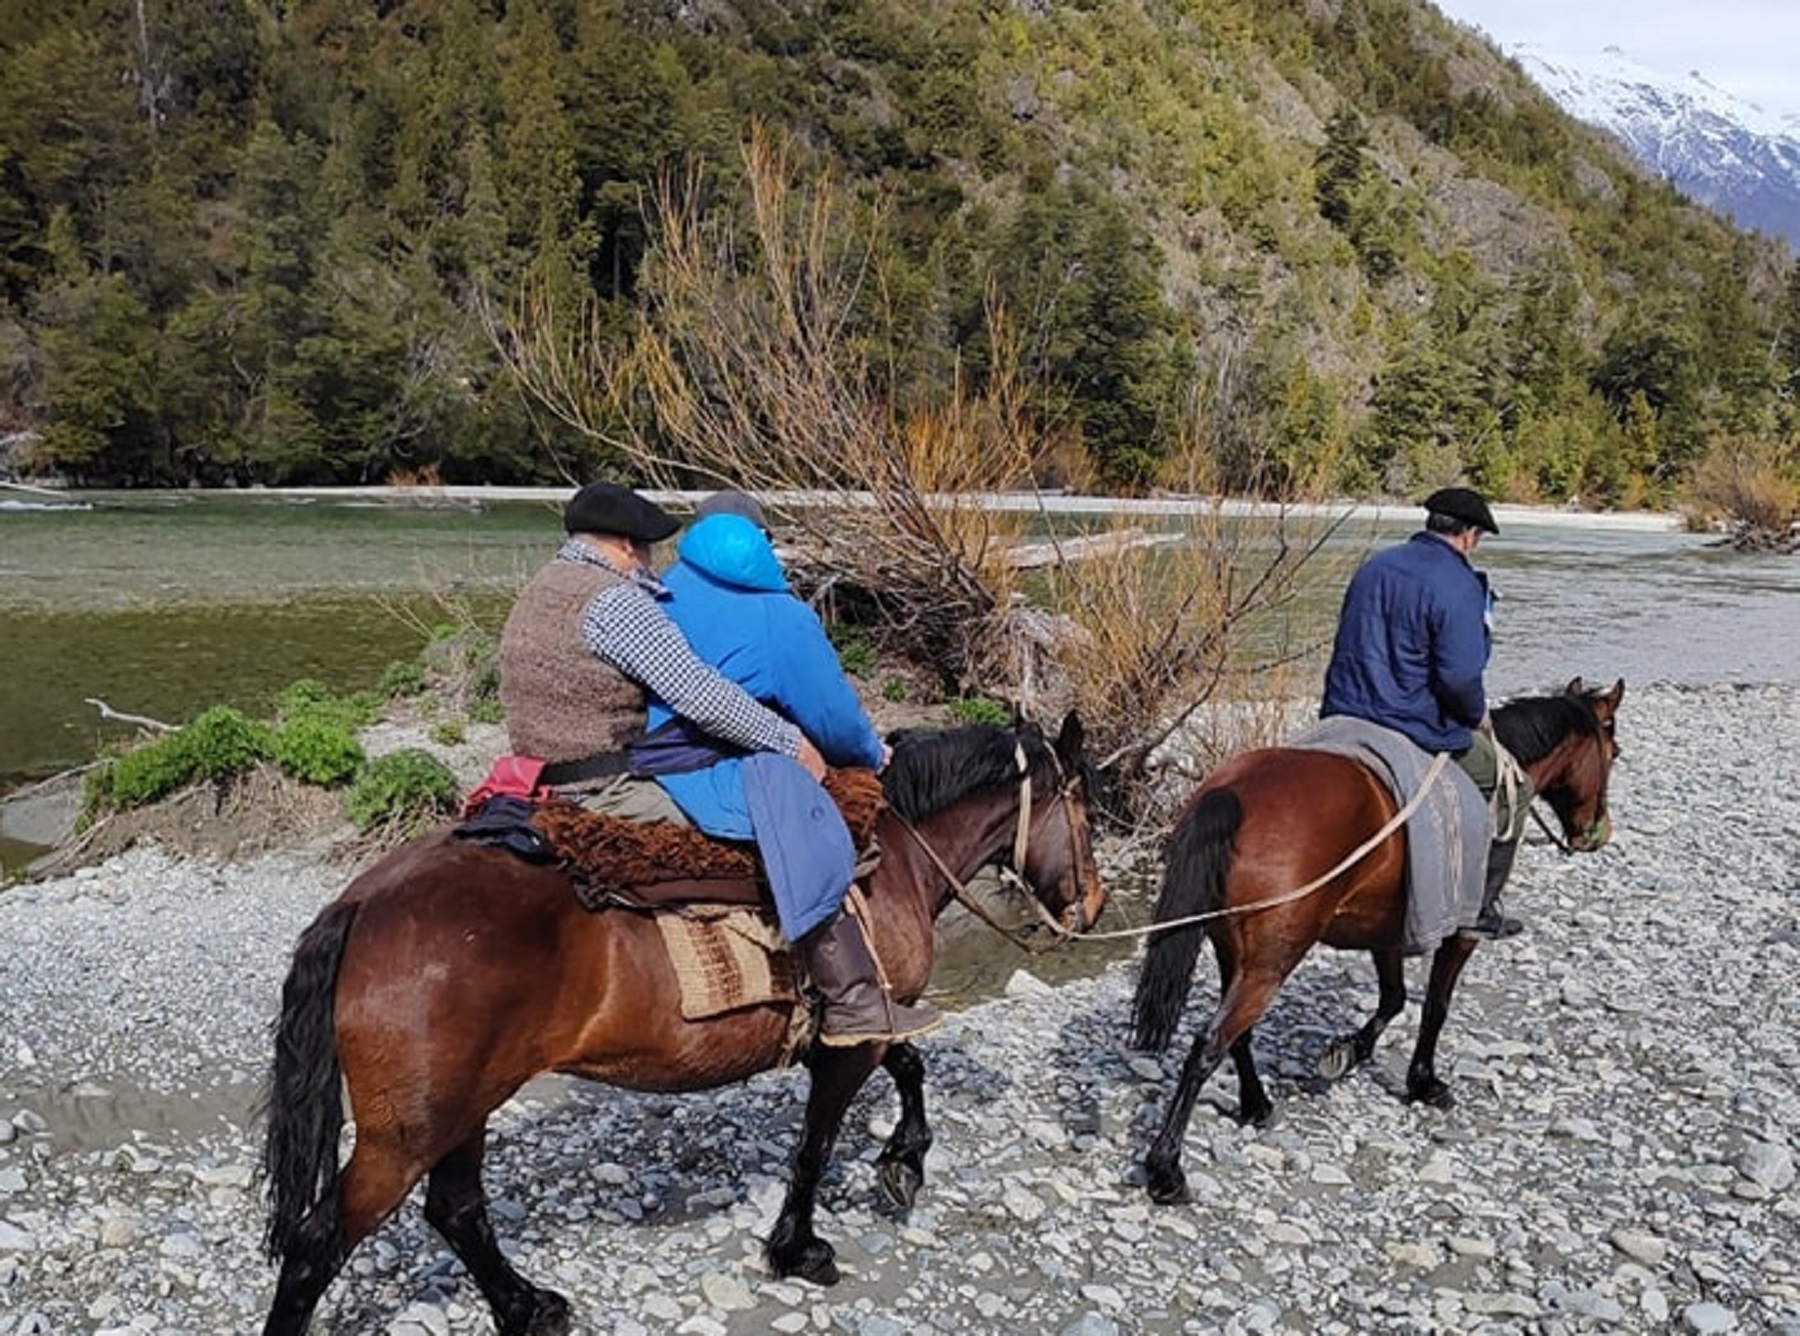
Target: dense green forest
(1286,244)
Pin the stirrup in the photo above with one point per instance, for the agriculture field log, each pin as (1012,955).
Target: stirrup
(1492,926)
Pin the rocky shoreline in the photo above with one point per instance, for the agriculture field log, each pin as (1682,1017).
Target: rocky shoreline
(1621,1157)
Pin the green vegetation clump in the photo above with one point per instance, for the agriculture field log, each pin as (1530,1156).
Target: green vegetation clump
(406,789)
(311,699)
(981,710)
(403,677)
(855,651)
(219,743)
(317,748)
(300,696)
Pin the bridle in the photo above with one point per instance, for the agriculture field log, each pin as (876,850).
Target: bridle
(1596,829)
(1011,872)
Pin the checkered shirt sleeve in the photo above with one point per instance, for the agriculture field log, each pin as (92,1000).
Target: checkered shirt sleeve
(625,626)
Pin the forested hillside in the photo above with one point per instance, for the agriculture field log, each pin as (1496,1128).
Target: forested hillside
(1286,244)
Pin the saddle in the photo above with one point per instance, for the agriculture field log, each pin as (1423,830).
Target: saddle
(651,864)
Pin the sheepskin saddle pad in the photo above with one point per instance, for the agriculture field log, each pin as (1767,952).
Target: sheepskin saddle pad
(651,863)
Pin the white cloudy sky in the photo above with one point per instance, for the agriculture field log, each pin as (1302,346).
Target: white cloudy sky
(1750,48)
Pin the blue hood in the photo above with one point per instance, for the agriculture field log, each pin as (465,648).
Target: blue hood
(733,551)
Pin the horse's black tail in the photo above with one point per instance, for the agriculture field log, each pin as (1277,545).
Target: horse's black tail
(305,1105)
(1196,861)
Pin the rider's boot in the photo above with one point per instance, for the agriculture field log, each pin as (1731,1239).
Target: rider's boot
(1491,924)
(858,1006)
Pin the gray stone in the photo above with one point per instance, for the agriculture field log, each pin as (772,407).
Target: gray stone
(1708,1319)
(1640,1246)
(1770,1166)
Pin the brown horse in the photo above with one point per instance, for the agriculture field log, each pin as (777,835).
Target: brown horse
(1269,822)
(450,973)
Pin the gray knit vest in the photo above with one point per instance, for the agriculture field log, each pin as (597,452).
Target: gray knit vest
(563,702)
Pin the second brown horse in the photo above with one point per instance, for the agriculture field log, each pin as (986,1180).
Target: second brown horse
(1271,821)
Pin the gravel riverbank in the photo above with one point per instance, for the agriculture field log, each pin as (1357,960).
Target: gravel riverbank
(1621,1158)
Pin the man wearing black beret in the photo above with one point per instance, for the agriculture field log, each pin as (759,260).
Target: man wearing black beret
(588,637)
(1411,649)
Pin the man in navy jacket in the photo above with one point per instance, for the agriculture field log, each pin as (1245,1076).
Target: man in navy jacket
(1412,645)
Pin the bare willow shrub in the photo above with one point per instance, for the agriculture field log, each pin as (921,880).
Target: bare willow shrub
(1187,650)
(1754,484)
(751,366)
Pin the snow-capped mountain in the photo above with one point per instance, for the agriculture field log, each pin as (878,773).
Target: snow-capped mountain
(1727,153)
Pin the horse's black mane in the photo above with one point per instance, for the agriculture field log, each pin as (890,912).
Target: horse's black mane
(1531,728)
(933,768)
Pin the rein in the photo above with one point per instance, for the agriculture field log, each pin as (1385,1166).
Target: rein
(1549,834)
(960,892)
(1349,861)
(959,889)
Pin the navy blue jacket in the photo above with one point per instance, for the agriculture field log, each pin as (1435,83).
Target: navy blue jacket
(1412,644)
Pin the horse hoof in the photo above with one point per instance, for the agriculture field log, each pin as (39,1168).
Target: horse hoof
(1169,1189)
(1337,1059)
(815,1262)
(1436,1094)
(900,1183)
(548,1316)
(1258,1115)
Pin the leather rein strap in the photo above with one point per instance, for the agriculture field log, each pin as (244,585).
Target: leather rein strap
(959,890)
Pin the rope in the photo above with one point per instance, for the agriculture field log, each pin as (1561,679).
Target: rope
(1350,860)
(963,897)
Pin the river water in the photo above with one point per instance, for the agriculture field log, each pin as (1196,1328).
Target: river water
(161,604)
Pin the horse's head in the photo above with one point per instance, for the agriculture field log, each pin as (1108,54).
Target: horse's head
(985,795)
(1054,852)
(1576,771)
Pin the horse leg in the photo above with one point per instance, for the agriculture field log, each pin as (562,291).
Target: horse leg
(1254,1105)
(1422,1084)
(456,1206)
(373,1184)
(1246,999)
(1352,1050)
(306,1269)
(793,1249)
(900,1169)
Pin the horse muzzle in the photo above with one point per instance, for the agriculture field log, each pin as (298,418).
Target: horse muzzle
(1085,912)
(1593,836)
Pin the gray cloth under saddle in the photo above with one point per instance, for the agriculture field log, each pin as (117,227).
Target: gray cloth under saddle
(1446,839)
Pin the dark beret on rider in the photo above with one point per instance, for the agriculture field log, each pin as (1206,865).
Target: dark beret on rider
(1464,504)
(605,507)
(734,503)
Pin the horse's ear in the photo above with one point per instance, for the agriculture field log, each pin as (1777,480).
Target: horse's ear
(1018,715)
(1576,687)
(1616,695)
(1071,740)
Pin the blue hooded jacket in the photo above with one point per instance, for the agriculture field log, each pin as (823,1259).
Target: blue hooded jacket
(1412,644)
(729,596)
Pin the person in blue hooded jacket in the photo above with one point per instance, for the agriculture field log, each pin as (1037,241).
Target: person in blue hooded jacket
(730,597)
(1410,654)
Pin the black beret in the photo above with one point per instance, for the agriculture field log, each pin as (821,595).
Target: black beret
(605,507)
(1462,503)
(734,503)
